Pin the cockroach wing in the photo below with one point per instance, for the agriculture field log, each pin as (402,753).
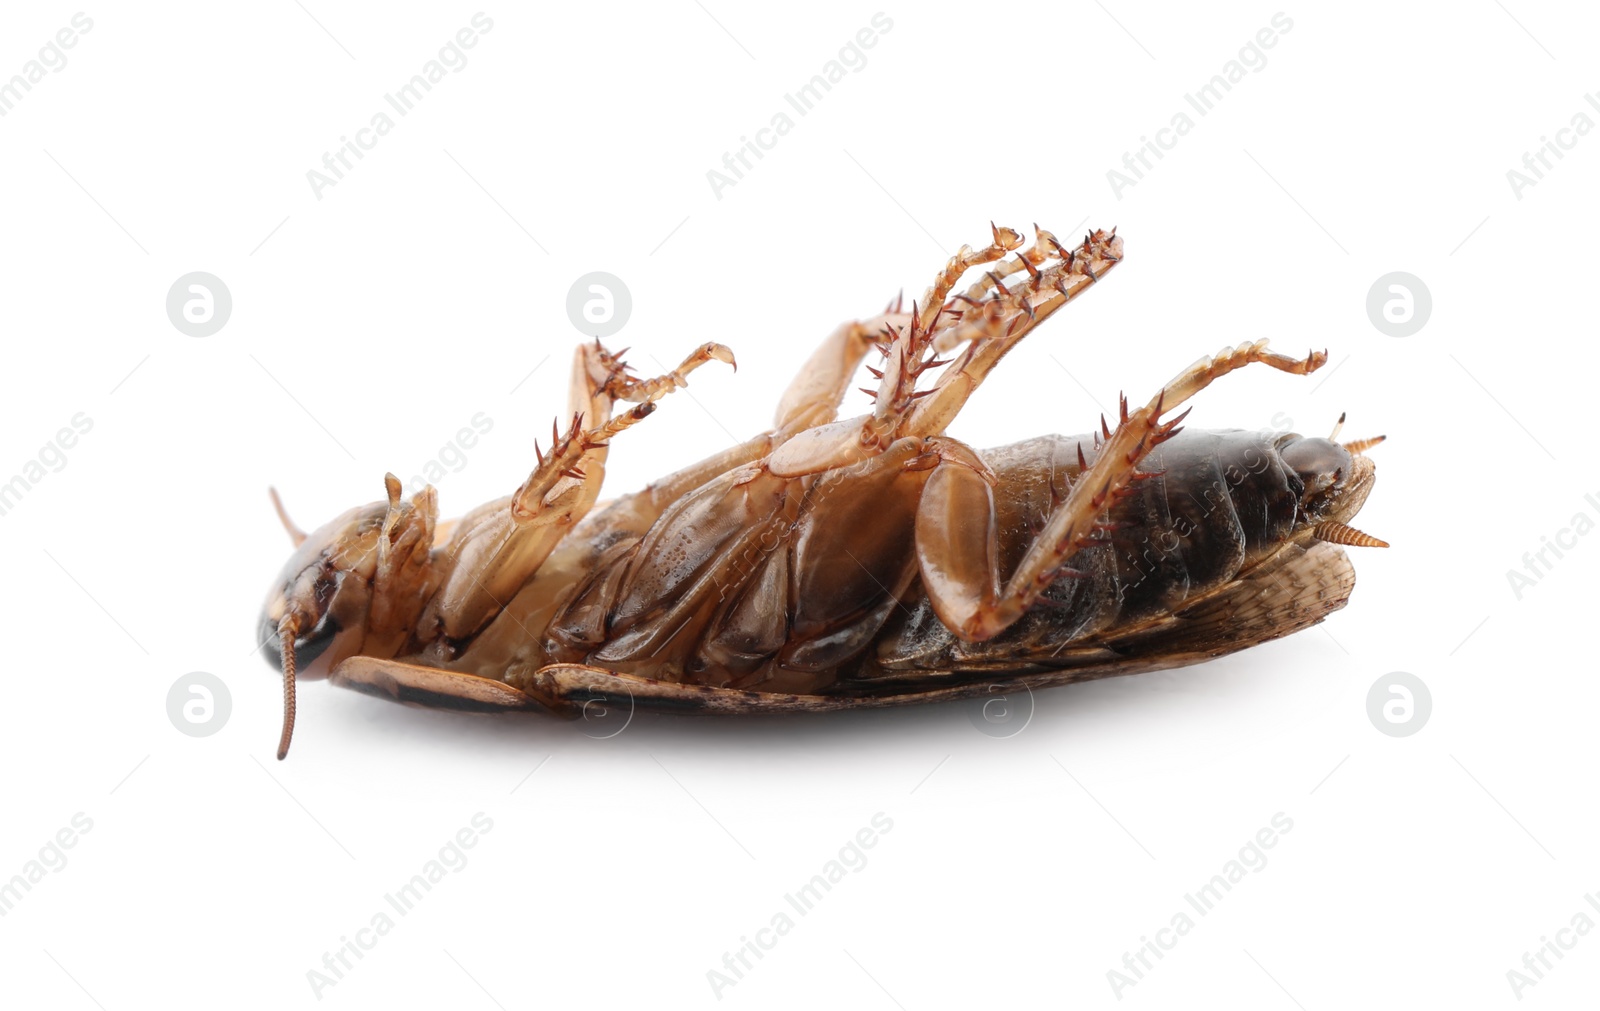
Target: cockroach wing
(1292,589)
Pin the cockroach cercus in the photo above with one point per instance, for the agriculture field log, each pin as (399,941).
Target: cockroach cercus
(828,564)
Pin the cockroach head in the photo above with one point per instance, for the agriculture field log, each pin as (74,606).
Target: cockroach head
(363,573)
(1336,480)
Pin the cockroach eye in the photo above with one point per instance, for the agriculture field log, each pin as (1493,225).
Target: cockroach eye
(310,646)
(306,647)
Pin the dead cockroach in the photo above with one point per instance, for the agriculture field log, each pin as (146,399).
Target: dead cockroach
(828,564)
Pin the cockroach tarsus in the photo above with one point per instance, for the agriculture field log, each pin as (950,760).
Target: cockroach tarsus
(828,564)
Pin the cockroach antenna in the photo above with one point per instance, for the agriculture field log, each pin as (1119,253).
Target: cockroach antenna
(1360,446)
(1341,533)
(295,533)
(286,633)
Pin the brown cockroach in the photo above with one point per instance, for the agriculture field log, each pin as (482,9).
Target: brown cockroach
(829,564)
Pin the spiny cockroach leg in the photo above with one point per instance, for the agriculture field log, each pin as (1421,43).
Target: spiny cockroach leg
(982,314)
(968,598)
(1010,312)
(897,381)
(1005,240)
(492,551)
(986,299)
(537,494)
(636,391)
(997,311)
(814,395)
(571,457)
(578,454)
(1004,320)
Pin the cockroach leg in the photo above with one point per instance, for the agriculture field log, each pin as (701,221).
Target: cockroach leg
(1045,245)
(957,541)
(662,493)
(646,391)
(599,380)
(403,557)
(814,396)
(907,356)
(1003,318)
(900,409)
(960,523)
(933,300)
(495,548)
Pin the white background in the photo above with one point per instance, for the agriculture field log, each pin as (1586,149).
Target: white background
(369,325)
